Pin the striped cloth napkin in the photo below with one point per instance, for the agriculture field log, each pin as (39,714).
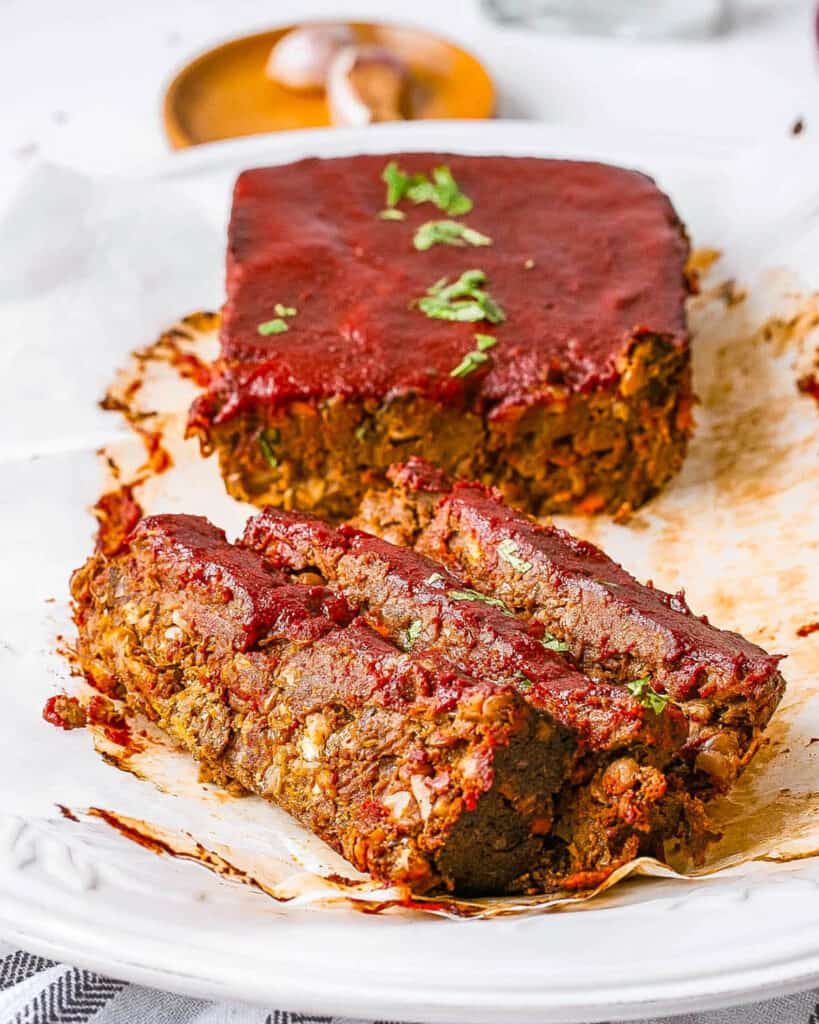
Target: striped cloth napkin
(38,991)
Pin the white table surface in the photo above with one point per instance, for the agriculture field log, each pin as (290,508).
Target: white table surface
(82,81)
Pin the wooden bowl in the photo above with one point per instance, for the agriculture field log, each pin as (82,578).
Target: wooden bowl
(225,92)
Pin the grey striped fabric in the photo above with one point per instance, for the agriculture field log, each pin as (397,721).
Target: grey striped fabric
(34,990)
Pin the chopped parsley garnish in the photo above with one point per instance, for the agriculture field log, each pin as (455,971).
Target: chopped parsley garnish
(267,439)
(464,300)
(277,326)
(435,579)
(476,595)
(645,694)
(507,550)
(485,341)
(398,183)
(390,214)
(523,682)
(412,634)
(447,232)
(471,361)
(444,193)
(551,643)
(443,190)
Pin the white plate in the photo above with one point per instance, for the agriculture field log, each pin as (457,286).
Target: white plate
(89,897)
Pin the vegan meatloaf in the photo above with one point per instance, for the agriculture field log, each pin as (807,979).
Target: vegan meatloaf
(414,770)
(516,320)
(455,750)
(613,627)
(617,801)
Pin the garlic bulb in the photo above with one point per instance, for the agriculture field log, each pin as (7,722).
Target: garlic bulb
(302,57)
(365,84)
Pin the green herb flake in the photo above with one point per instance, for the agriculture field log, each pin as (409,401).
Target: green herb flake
(551,643)
(277,326)
(447,232)
(523,682)
(281,310)
(413,632)
(462,312)
(464,300)
(398,183)
(267,439)
(471,361)
(443,190)
(435,579)
(645,694)
(448,196)
(508,551)
(392,214)
(475,595)
(485,341)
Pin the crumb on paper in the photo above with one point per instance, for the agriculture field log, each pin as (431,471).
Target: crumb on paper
(117,513)
(64,712)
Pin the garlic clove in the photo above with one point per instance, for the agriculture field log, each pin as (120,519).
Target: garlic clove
(366,84)
(302,57)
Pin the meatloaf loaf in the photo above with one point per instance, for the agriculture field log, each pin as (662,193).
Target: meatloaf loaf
(414,770)
(427,735)
(617,801)
(613,627)
(516,320)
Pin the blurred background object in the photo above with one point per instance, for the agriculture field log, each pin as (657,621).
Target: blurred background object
(632,19)
(84,82)
(277,81)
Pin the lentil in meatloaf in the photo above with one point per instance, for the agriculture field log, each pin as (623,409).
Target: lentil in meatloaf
(614,628)
(329,370)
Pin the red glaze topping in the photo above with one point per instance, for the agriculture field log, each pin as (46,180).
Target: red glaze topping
(196,552)
(503,650)
(256,602)
(690,643)
(603,246)
(502,643)
(416,474)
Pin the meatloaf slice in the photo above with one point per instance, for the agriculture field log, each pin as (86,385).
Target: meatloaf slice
(412,769)
(331,369)
(617,801)
(615,628)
